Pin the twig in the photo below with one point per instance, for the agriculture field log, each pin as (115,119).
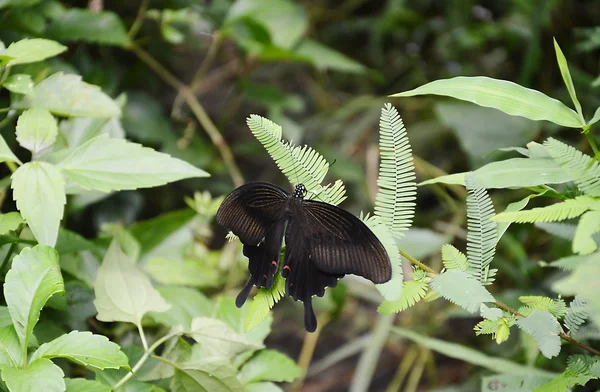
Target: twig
(139,19)
(308,349)
(203,118)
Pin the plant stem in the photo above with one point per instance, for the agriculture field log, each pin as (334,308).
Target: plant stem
(308,349)
(142,335)
(139,19)
(592,142)
(201,115)
(416,262)
(142,360)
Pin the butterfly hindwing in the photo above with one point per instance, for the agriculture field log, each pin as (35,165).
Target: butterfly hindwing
(250,210)
(302,277)
(341,244)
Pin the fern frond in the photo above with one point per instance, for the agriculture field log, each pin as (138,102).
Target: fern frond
(589,224)
(335,193)
(392,289)
(485,327)
(395,201)
(499,329)
(568,209)
(577,314)
(301,165)
(481,232)
(453,258)
(556,307)
(263,301)
(412,292)
(584,170)
(462,289)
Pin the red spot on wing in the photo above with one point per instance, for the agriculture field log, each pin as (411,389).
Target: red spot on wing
(286,267)
(274,262)
(265,276)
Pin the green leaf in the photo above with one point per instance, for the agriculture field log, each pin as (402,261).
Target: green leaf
(39,190)
(192,272)
(412,292)
(33,50)
(114,164)
(583,169)
(511,173)
(10,348)
(227,311)
(217,339)
(210,375)
(186,304)
(67,95)
(453,258)
(481,232)
(472,356)
(511,383)
(83,385)
(36,129)
(325,58)
(85,349)
(589,224)
(421,243)
(78,24)
(595,118)
(5,152)
(568,209)
(269,365)
(150,233)
(481,130)
(395,201)
(460,288)
(123,292)
(262,387)
(32,280)
(503,95)
(285,20)
(556,307)
(516,206)
(577,314)
(9,221)
(40,375)
(566,75)
(19,84)
(263,301)
(545,330)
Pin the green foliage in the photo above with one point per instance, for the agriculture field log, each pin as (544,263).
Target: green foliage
(556,307)
(584,170)
(580,370)
(412,292)
(576,315)
(481,233)
(544,328)
(462,289)
(568,209)
(263,301)
(453,258)
(269,365)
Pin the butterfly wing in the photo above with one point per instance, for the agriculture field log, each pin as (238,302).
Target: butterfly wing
(251,209)
(340,243)
(255,212)
(302,277)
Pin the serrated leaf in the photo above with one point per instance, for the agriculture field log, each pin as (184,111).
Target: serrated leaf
(32,280)
(589,224)
(76,24)
(453,258)
(6,153)
(583,169)
(19,84)
(33,50)
(9,221)
(85,349)
(577,314)
(218,339)
(460,288)
(113,164)
(412,292)
(545,330)
(214,375)
(503,95)
(39,190)
(83,385)
(40,375)
(490,313)
(10,348)
(36,129)
(568,209)
(269,365)
(123,292)
(67,95)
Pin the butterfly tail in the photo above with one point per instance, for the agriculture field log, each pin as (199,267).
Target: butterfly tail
(243,295)
(310,320)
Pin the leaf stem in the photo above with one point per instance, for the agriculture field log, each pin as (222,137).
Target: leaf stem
(144,358)
(137,23)
(592,142)
(416,262)
(201,115)
(142,335)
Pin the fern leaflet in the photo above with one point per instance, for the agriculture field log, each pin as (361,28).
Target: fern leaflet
(584,170)
(580,370)
(395,201)
(263,301)
(556,307)
(412,292)
(453,258)
(481,232)
(462,289)
(577,314)
(568,209)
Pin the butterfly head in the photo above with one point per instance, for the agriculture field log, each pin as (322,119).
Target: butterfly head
(300,191)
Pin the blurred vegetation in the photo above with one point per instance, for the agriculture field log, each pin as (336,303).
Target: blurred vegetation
(192,71)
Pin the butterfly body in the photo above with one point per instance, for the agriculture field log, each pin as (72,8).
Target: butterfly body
(323,242)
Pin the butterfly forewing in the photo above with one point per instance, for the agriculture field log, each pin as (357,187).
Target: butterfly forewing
(340,243)
(250,210)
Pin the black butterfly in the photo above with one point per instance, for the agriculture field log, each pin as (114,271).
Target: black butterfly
(323,242)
